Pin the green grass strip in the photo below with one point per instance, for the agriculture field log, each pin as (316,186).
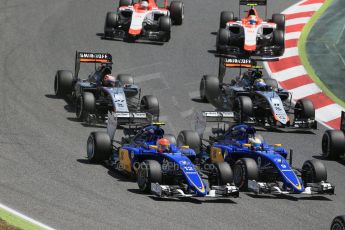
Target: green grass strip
(16,221)
(304,56)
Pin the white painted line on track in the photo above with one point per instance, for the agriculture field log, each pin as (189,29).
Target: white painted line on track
(292,35)
(302,8)
(305,90)
(329,112)
(290,52)
(296,21)
(22,216)
(289,73)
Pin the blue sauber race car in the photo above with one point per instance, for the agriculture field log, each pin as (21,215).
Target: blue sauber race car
(257,166)
(168,173)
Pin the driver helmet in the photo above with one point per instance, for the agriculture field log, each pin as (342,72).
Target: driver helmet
(259,83)
(252,20)
(109,80)
(163,145)
(255,142)
(144,5)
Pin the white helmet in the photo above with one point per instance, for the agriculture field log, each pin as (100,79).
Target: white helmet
(144,5)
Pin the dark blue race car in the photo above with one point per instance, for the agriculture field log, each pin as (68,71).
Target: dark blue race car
(168,173)
(257,166)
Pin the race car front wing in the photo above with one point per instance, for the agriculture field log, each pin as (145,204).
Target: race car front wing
(176,191)
(273,188)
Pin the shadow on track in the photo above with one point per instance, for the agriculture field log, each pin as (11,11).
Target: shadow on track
(287,197)
(157,43)
(320,157)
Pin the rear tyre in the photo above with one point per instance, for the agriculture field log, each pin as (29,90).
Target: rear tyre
(313,171)
(243,108)
(110,23)
(189,138)
(221,174)
(63,83)
(164,23)
(209,88)
(245,169)
(279,19)
(150,171)
(86,104)
(125,79)
(333,144)
(125,3)
(304,109)
(177,12)
(225,16)
(338,223)
(279,41)
(223,39)
(150,104)
(98,147)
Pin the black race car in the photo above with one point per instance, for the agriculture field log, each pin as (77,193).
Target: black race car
(100,92)
(256,99)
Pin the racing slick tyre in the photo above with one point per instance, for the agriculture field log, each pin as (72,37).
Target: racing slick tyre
(177,12)
(150,171)
(86,104)
(243,108)
(189,138)
(209,88)
(313,171)
(98,147)
(164,23)
(110,23)
(221,174)
(338,223)
(150,104)
(333,144)
(271,82)
(125,79)
(245,169)
(63,83)
(279,41)
(279,19)
(225,16)
(171,138)
(223,39)
(125,3)
(304,109)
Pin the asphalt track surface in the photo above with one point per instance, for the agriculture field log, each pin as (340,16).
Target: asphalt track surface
(43,171)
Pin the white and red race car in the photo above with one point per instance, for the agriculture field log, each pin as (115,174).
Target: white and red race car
(143,19)
(251,35)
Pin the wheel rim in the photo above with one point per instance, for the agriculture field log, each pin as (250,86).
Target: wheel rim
(142,176)
(325,145)
(79,108)
(90,148)
(337,226)
(203,89)
(238,175)
(56,86)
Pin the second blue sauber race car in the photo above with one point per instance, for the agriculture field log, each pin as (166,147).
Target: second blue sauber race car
(257,166)
(161,168)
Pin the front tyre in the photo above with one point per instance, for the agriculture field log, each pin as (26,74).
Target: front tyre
(110,23)
(177,12)
(149,104)
(313,171)
(86,104)
(333,144)
(245,169)
(150,171)
(221,174)
(98,147)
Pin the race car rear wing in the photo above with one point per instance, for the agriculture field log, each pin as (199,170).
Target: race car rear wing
(202,118)
(136,119)
(87,57)
(342,121)
(253,2)
(240,63)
